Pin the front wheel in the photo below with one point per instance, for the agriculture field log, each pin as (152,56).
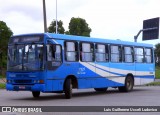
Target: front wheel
(36,94)
(129,83)
(68,89)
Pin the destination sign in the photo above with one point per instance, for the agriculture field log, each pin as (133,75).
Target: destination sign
(23,39)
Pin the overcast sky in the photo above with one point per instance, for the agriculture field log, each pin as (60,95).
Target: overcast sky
(112,19)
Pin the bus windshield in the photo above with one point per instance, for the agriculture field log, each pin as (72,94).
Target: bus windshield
(25,57)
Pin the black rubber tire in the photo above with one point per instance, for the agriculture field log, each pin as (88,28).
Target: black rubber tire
(101,89)
(36,94)
(129,83)
(68,88)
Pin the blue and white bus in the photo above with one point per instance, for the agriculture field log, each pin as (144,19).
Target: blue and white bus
(52,63)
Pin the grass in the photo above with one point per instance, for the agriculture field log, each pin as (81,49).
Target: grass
(2,86)
(2,82)
(153,84)
(157,73)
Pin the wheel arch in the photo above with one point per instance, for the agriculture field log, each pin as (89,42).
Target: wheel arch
(130,74)
(74,81)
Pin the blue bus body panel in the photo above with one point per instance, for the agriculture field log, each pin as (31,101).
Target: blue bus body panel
(88,74)
(27,79)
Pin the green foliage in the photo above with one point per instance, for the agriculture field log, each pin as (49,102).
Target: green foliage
(157,72)
(52,27)
(1,76)
(78,26)
(157,54)
(2,86)
(157,49)
(67,32)
(5,34)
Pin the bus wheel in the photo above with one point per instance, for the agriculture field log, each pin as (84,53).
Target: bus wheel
(100,89)
(68,88)
(36,94)
(128,85)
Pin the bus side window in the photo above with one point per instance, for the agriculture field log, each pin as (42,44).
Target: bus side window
(116,55)
(71,51)
(40,52)
(49,53)
(139,55)
(57,53)
(148,55)
(87,52)
(101,53)
(54,53)
(128,54)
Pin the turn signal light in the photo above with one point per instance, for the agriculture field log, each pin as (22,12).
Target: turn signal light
(41,81)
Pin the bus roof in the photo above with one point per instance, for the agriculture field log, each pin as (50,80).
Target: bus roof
(88,39)
(98,40)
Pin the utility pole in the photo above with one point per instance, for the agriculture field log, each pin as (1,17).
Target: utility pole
(56,18)
(44,16)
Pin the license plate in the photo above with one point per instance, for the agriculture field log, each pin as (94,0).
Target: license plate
(22,87)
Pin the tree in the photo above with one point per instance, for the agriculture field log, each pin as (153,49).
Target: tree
(5,34)
(157,53)
(78,26)
(52,27)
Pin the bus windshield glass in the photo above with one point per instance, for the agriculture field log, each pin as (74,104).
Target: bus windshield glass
(26,57)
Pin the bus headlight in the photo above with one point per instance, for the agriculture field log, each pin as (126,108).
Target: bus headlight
(35,81)
(9,81)
(38,81)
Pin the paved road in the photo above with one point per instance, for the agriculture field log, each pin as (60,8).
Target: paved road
(140,96)
(144,95)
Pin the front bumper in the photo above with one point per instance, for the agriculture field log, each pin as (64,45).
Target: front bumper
(35,87)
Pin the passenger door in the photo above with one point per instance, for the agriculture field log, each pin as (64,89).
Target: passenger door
(54,61)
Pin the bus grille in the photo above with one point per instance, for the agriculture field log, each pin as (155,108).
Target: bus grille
(22,81)
(21,75)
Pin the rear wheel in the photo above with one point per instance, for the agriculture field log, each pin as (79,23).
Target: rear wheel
(36,94)
(100,89)
(129,83)
(68,89)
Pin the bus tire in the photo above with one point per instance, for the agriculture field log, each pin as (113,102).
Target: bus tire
(68,88)
(36,94)
(101,89)
(129,83)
